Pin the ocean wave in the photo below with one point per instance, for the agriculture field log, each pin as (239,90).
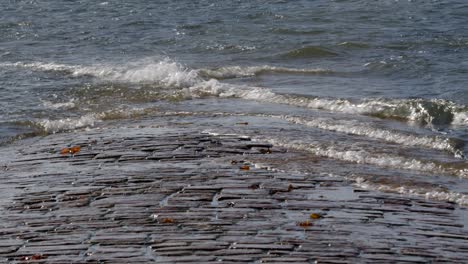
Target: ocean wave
(239,71)
(30,128)
(291,31)
(231,47)
(164,72)
(190,83)
(361,156)
(364,157)
(88,120)
(433,112)
(456,197)
(309,52)
(65,105)
(357,128)
(66,124)
(354,45)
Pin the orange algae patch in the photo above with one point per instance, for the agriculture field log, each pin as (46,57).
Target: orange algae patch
(71,150)
(168,221)
(304,224)
(245,167)
(75,149)
(65,151)
(33,257)
(38,256)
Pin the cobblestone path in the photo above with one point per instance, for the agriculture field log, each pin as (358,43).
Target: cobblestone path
(149,194)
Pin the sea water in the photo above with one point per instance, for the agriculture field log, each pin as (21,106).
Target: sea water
(378,90)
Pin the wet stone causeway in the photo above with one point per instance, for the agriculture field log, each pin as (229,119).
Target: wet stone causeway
(145,195)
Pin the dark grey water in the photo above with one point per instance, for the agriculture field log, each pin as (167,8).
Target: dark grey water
(378,86)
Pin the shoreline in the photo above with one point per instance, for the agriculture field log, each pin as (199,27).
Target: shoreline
(143,193)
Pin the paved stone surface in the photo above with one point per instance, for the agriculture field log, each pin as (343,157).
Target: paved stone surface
(149,194)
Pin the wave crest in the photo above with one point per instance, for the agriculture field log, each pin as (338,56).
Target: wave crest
(202,82)
(364,157)
(164,72)
(309,52)
(433,112)
(239,71)
(357,128)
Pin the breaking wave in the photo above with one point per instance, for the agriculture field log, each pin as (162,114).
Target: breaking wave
(361,156)
(54,126)
(238,71)
(189,83)
(364,157)
(428,193)
(357,128)
(164,72)
(434,112)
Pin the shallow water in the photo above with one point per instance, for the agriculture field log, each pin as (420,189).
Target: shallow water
(376,90)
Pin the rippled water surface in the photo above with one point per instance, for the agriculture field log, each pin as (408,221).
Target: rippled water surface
(377,90)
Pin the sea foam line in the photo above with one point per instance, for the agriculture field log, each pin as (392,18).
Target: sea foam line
(165,72)
(459,198)
(248,71)
(456,197)
(436,111)
(173,75)
(364,157)
(90,119)
(351,127)
(358,128)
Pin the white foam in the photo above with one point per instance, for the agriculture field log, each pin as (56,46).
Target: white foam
(54,126)
(364,157)
(64,105)
(417,110)
(455,197)
(90,120)
(165,72)
(231,47)
(460,118)
(171,74)
(240,71)
(358,128)
(215,88)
